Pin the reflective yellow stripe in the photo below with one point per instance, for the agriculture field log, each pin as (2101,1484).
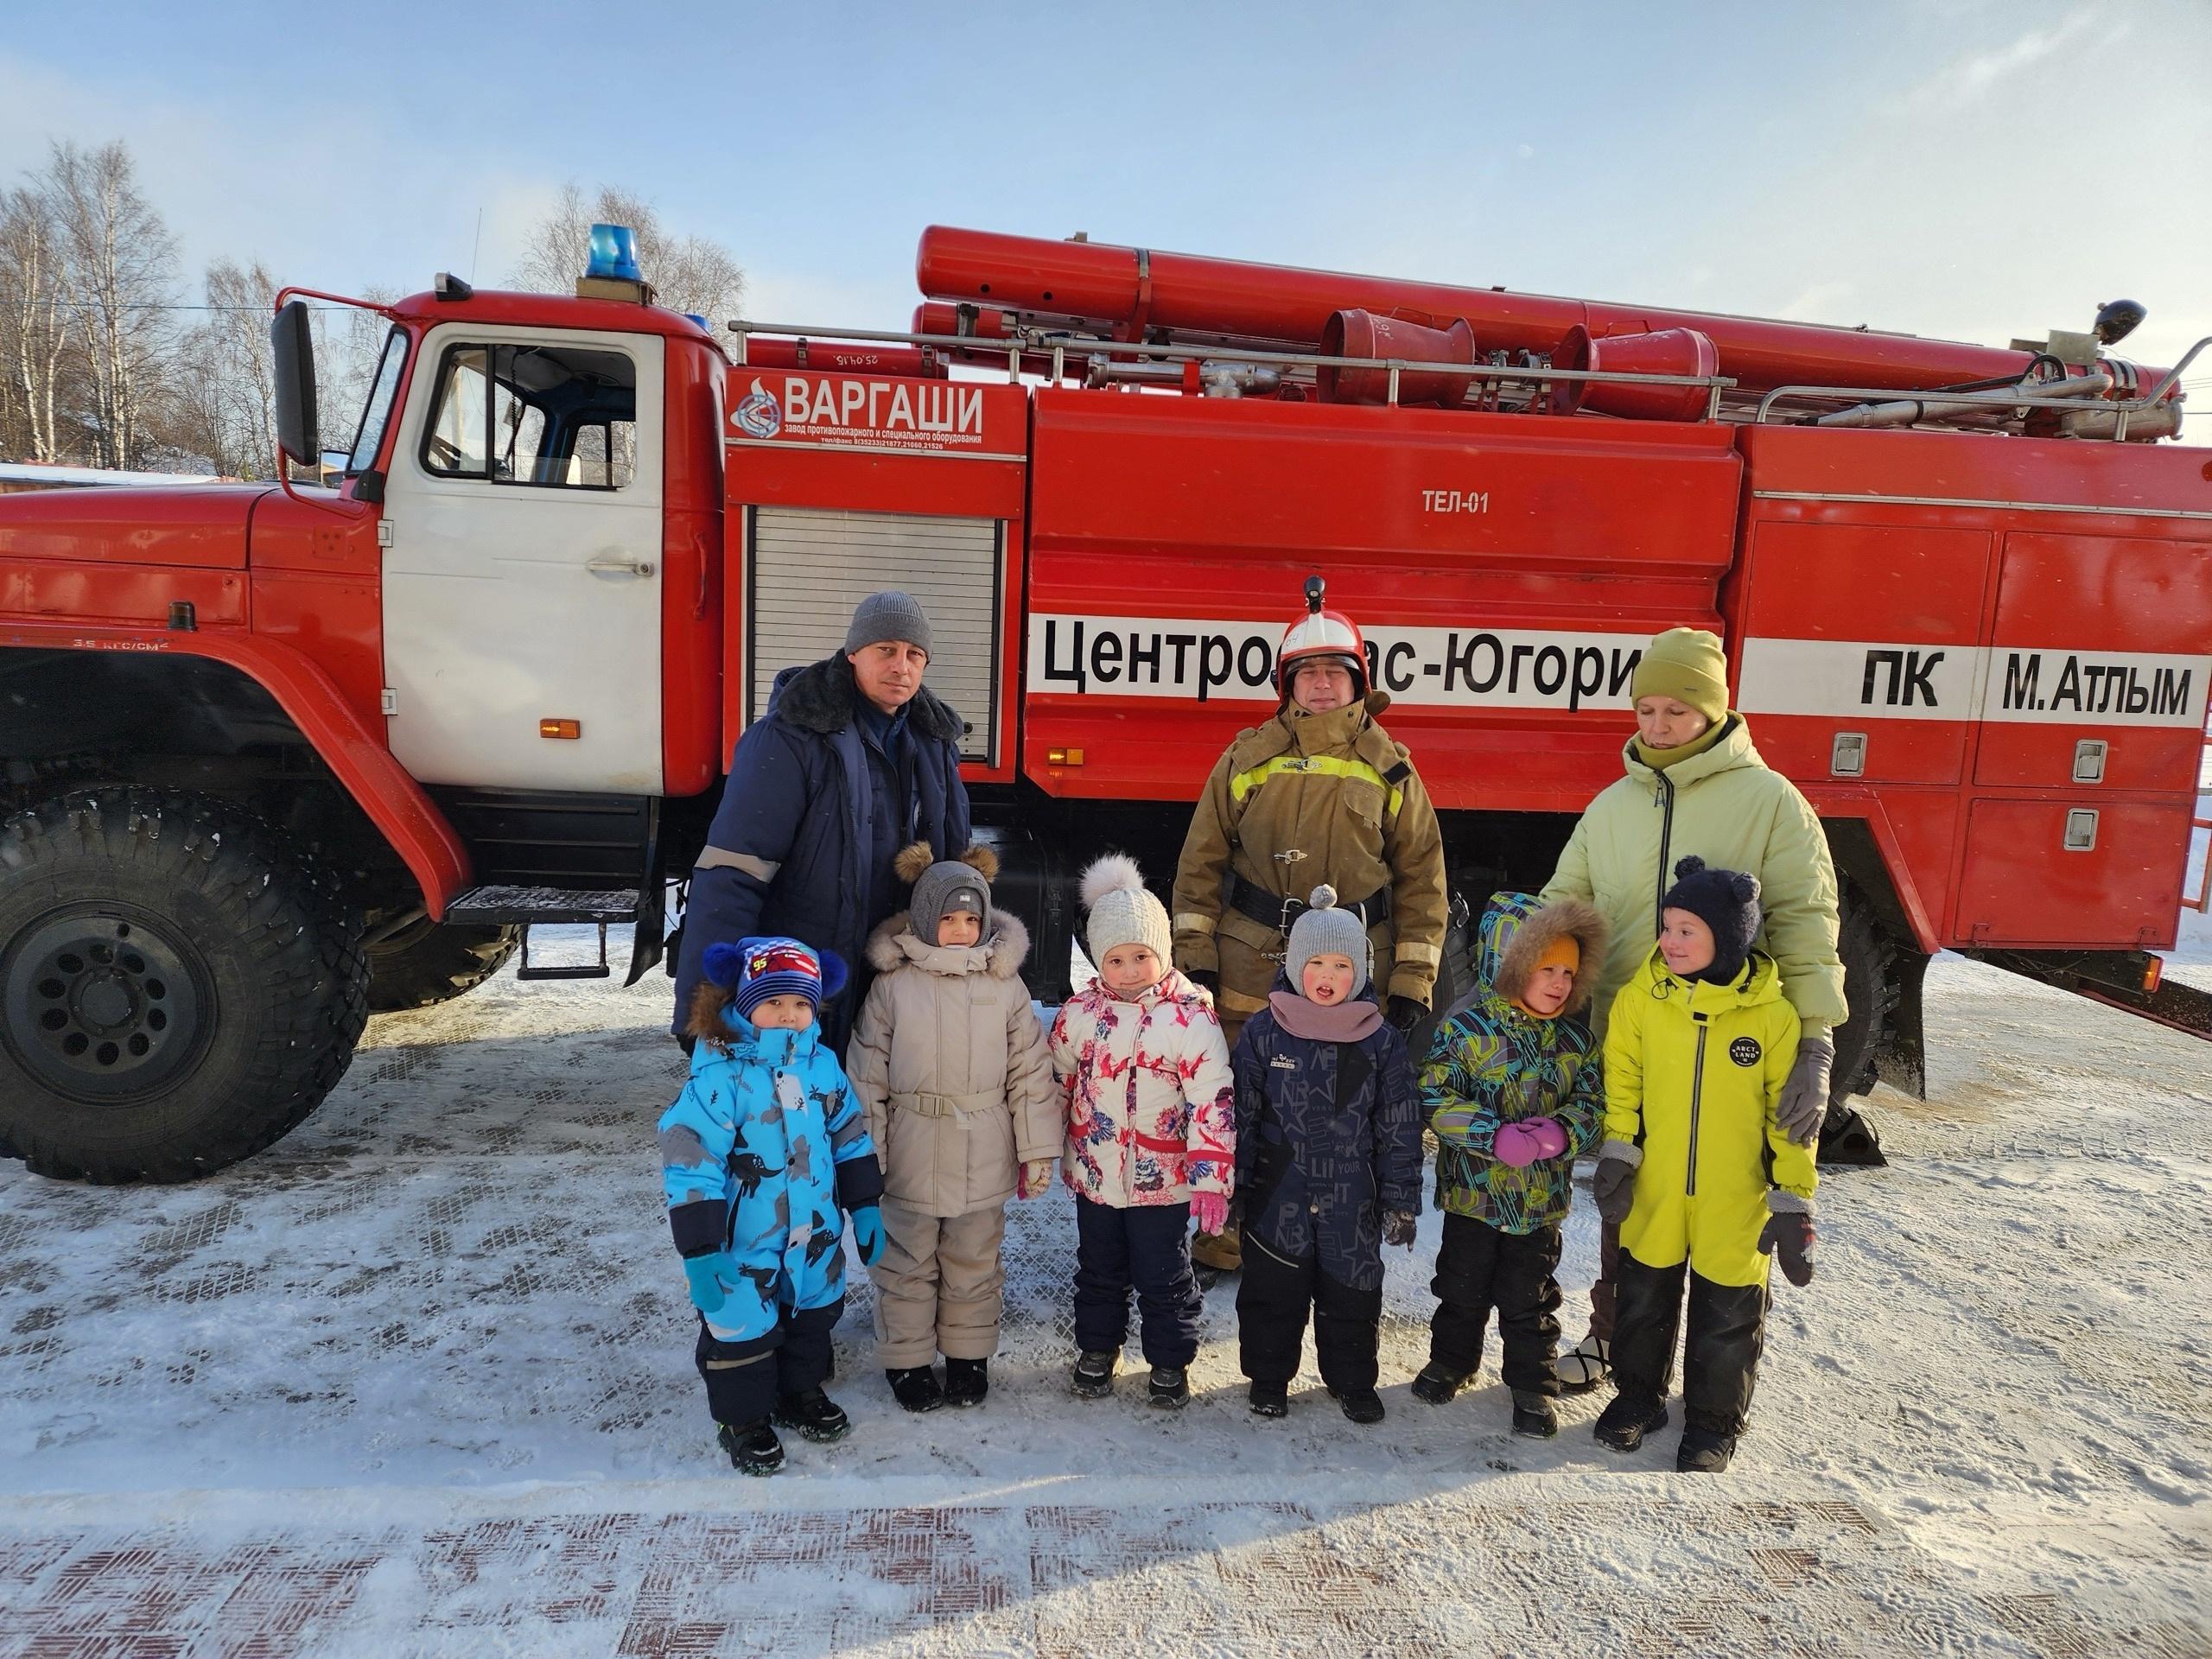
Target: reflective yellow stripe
(1327,765)
(1191,921)
(1427,953)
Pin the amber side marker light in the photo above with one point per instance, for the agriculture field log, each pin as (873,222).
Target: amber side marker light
(1064,757)
(560,729)
(2153,971)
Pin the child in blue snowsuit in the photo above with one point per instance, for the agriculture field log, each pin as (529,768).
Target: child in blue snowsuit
(1328,1165)
(761,1156)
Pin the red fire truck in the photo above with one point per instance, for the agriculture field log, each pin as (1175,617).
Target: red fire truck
(278,756)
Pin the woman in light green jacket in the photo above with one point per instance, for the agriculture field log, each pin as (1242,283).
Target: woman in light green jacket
(1695,783)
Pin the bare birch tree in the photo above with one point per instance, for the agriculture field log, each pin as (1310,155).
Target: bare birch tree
(122,267)
(222,404)
(34,327)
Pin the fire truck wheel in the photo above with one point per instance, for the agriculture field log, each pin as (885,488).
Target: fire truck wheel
(1870,987)
(177,990)
(434,962)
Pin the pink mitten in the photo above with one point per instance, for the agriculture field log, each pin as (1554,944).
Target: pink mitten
(1033,1179)
(1551,1140)
(1516,1146)
(1210,1210)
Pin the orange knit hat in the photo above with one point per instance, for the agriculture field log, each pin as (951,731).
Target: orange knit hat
(1564,951)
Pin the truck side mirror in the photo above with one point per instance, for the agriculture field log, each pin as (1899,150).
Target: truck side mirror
(293,348)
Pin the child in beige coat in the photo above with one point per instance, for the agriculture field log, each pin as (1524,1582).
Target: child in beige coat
(948,1059)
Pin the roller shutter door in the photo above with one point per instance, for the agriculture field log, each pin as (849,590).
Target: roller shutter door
(808,570)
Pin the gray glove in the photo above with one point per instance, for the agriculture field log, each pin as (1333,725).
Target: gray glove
(1398,1227)
(1804,1103)
(1613,1183)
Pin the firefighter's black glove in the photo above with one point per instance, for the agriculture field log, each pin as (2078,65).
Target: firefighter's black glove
(1205,979)
(1398,1227)
(1405,1013)
(1788,1234)
(1613,1183)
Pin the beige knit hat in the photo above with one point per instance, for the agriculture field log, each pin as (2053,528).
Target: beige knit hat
(1689,666)
(1122,912)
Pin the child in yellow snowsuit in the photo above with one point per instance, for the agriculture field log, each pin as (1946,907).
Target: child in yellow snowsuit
(1695,1168)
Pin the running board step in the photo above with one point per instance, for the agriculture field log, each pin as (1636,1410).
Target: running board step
(530,907)
(508,906)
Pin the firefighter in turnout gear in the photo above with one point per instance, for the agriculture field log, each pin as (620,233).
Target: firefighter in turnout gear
(1318,794)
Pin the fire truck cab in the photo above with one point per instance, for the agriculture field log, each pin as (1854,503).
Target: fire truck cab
(278,756)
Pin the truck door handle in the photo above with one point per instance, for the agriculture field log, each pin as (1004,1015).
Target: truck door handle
(609,567)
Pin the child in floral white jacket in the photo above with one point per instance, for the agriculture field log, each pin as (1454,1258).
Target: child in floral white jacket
(1152,1136)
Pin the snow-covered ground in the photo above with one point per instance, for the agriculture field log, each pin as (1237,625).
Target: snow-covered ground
(419,1381)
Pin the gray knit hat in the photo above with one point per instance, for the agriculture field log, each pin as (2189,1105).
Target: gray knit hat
(1122,912)
(942,887)
(1322,930)
(888,616)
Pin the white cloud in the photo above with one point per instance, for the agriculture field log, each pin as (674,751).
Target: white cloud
(1974,75)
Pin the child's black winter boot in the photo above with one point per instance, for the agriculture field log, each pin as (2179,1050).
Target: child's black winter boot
(752,1447)
(1360,1405)
(1534,1415)
(1170,1388)
(1704,1453)
(1437,1384)
(1093,1377)
(815,1415)
(1623,1424)
(966,1381)
(1269,1399)
(915,1388)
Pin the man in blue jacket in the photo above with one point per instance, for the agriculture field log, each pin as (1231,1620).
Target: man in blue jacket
(854,761)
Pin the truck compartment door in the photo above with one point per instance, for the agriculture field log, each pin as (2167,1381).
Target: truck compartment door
(807,569)
(2099,641)
(2083,870)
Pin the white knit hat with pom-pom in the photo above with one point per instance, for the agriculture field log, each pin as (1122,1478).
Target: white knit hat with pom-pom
(1122,912)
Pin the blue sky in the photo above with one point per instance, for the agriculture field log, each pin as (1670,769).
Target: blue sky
(1972,168)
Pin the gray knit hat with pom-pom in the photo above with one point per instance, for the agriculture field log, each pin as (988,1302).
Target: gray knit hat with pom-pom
(1323,930)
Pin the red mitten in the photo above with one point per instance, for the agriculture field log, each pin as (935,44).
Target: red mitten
(1210,1210)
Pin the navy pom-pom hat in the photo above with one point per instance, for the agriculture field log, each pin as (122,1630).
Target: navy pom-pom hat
(752,970)
(1727,901)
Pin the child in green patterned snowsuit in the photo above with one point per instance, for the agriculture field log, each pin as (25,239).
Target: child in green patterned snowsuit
(1513,1091)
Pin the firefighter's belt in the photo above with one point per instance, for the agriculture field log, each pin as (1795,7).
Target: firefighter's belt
(1269,911)
(946,1105)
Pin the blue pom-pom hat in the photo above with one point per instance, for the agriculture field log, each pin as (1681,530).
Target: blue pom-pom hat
(752,970)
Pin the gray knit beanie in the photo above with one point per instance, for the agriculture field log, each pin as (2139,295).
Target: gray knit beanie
(1122,912)
(889,615)
(1322,930)
(949,886)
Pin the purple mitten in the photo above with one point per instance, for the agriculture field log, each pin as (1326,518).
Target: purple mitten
(1551,1140)
(1516,1146)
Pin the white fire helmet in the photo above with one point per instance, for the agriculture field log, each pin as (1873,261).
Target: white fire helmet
(1320,636)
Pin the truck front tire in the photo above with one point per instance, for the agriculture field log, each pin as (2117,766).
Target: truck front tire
(177,991)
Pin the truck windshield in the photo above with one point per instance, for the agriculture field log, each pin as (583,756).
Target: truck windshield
(376,413)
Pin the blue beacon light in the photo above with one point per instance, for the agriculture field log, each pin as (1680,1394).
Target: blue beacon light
(614,253)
